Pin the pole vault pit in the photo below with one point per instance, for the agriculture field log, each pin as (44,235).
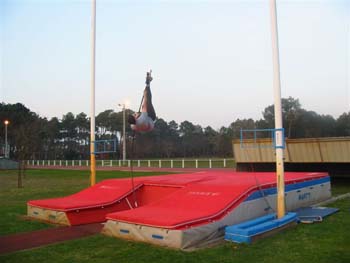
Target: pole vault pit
(183,211)
(196,214)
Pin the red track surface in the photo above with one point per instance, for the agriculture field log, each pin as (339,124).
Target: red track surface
(169,201)
(44,237)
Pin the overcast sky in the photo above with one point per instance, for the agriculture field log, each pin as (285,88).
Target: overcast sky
(211,60)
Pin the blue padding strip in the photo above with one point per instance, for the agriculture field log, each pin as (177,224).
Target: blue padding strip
(252,222)
(124,231)
(288,188)
(157,236)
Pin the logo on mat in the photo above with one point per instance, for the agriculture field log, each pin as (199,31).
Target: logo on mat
(204,193)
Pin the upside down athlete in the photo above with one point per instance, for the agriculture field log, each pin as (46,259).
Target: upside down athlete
(144,121)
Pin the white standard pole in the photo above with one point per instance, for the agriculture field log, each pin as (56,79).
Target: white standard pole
(278,111)
(92,102)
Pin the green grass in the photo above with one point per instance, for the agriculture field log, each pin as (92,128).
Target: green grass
(325,242)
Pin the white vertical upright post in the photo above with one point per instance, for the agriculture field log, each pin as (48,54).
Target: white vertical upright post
(210,164)
(160,164)
(149,163)
(172,163)
(92,101)
(224,163)
(183,163)
(278,111)
(196,163)
(138,163)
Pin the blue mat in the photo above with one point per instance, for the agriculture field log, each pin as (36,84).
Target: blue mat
(244,232)
(314,214)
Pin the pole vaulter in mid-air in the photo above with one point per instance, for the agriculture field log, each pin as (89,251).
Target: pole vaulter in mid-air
(144,119)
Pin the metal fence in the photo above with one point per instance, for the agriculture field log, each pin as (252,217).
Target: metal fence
(164,163)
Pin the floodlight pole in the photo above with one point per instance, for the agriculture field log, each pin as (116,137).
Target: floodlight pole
(92,102)
(278,112)
(6,122)
(124,138)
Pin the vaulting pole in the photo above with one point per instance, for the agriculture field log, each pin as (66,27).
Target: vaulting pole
(278,112)
(92,102)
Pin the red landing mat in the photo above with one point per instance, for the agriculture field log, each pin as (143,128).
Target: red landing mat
(170,201)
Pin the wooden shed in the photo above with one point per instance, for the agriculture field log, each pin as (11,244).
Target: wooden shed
(330,154)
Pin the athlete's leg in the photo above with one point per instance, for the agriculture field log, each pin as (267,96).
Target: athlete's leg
(147,105)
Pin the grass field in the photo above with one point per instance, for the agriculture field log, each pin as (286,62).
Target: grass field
(328,241)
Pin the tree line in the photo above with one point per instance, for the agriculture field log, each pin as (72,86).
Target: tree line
(34,137)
